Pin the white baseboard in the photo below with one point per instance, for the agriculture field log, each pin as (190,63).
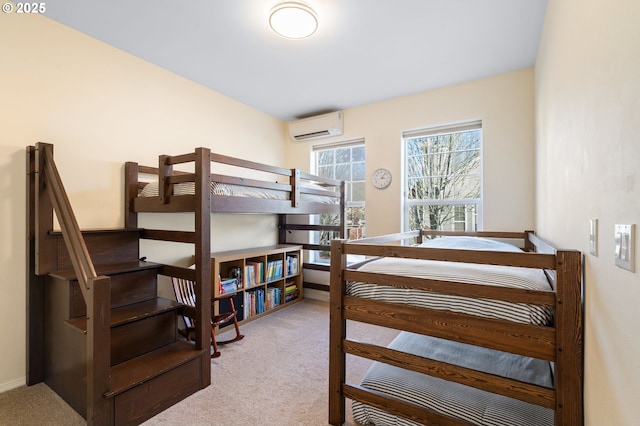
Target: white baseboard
(311,293)
(7,386)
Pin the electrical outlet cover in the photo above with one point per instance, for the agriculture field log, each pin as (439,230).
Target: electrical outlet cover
(625,241)
(593,237)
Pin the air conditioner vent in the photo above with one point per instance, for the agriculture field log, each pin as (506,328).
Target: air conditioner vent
(319,126)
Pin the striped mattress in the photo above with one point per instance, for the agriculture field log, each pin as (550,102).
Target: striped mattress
(506,276)
(188,188)
(462,402)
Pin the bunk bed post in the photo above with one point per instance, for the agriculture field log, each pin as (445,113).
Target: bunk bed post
(282,232)
(528,244)
(337,334)
(569,356)
(202,258)
(164,170)
(294,181)
(130,193)
(343,211)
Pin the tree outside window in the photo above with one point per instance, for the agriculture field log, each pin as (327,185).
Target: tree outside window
(443,178)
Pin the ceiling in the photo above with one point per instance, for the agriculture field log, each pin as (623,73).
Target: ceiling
(364,50)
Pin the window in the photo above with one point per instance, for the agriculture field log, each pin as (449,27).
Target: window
(443,178)
(343,162)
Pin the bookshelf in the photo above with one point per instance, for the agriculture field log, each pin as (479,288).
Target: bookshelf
(262,280)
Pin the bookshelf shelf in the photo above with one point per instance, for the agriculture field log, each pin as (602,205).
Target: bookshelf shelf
(262,279)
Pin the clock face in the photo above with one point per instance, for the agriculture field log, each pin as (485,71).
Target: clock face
(381,178)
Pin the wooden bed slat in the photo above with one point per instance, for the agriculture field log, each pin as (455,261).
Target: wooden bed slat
(181,178)
(399,407)
(523,339)
(176,204)
(311,227)
(484,234)
(246,164)
(508,294)
(466,376)
(181,159)
(166,235)
(525,260)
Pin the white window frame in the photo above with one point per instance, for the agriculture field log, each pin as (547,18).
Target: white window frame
(454,202)
(361,228)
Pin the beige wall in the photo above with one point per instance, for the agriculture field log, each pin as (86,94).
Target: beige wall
(505,105)
(588,157)
(101,107)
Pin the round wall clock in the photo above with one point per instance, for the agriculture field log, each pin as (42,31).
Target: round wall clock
(381,178)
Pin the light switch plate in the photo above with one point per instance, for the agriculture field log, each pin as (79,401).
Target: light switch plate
(625,241)
(593,237)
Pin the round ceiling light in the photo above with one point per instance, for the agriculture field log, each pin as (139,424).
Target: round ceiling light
(293,19)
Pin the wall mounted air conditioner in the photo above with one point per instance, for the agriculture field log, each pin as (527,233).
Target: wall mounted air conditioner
(319,126)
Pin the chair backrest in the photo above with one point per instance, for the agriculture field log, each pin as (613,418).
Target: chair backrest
(184,291)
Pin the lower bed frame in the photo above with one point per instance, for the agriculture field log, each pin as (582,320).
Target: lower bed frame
(560,342)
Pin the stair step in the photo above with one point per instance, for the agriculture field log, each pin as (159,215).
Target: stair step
(142,369)
(131,282)
(100,244)
(130,313)
(112,269)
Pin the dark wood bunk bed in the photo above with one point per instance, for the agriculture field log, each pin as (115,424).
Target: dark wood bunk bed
(448,349)
(206,190)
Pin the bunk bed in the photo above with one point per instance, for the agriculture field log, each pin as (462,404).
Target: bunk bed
(490,334)
(216,183)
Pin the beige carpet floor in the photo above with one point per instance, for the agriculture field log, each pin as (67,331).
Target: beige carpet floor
(277,375)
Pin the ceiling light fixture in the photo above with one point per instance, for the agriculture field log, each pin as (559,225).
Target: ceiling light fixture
(293,19)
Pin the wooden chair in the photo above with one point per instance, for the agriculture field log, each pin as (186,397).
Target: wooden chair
(185,294)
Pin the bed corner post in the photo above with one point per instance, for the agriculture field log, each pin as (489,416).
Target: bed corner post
(337,333)
(130,193)
(203,258)
(343,211)
(528,244)
(294,181)
(569,357)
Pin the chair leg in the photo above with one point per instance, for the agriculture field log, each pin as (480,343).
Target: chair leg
(216,352)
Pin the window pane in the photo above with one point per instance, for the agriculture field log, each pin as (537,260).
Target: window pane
(343,155)
(343,172)
(443,217)
(357,153)
(325,157)
(357,171)
(326,171)
(357,193)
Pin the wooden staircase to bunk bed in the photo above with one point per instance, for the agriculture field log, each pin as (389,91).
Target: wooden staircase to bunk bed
(97,333)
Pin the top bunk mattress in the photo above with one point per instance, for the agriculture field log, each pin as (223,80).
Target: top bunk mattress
(231,190)
(505,276)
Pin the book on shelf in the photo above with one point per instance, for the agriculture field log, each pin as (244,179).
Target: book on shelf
(273,297)
(228,285)
(254,273)
(290,292)
(254,302)
(292,264)
(274,269)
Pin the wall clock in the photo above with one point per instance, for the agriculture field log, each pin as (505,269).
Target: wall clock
(381,178)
